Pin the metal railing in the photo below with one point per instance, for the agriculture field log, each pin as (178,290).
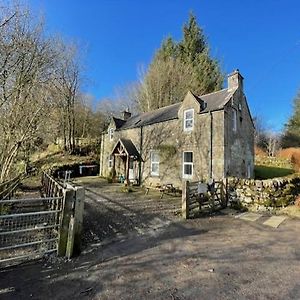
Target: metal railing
(29,227)
(8,188)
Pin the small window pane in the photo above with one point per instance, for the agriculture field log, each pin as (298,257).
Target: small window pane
(188,169)
(154,157)
(154,168)
(189,114)
(188,157)
(188,123)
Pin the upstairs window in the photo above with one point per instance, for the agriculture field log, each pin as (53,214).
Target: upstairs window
(111,133)
(234,120)
(154,158)
(188,120)
(188,165)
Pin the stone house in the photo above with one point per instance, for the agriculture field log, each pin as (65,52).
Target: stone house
(202,137)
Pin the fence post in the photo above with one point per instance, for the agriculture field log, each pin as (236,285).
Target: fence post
(185,200)
(78,217)
(71,234)
(68,203)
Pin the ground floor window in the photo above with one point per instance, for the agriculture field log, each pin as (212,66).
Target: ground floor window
(187,164)
(154,158)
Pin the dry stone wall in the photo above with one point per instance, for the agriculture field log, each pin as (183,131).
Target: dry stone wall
(264,194)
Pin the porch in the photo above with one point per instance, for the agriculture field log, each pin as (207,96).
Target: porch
(126,166)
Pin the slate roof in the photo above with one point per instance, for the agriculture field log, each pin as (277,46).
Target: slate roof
(215,100)
(209,102)
(156,116)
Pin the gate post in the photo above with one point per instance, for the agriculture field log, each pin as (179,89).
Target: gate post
(68,204)
(185,200)
(78,216)
(75,223)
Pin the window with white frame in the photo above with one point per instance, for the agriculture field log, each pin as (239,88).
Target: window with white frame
(188,120)
(154,158)
(187,164)
(234,120)
(111,133)
(110,161)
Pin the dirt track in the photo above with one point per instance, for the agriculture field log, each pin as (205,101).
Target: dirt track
(150,254)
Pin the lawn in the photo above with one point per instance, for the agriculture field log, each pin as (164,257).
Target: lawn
(268,172)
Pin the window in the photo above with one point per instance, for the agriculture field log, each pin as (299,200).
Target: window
(111,133)
(188,120)
(110,161)
(154,157)
(187,164)
(234,120)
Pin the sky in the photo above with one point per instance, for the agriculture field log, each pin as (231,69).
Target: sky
(261,38)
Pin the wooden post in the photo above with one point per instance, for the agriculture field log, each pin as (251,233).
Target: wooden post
(127,170)
(65,221)
(114,168)
(78,218)
(185,200)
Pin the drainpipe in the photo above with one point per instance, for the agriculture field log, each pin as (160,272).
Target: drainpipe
(101,154)
(211,145)
(141,150)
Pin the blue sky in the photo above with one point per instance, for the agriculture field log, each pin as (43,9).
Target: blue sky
(260,38)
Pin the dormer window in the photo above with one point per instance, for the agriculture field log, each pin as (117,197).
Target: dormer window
(111,133)
(188,120)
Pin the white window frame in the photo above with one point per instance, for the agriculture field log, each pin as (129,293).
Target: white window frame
(234,120)
(187,163)
(110,161)
(111,133)
(185,119)
(154,162)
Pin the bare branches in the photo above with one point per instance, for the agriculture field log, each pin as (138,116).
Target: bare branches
(7,20)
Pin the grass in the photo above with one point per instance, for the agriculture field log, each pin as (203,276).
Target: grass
(268,172)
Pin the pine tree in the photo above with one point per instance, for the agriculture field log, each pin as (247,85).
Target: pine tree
(179,67)
(291,136)
(194,41)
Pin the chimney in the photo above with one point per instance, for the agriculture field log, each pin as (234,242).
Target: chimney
(126,115)
(235,81)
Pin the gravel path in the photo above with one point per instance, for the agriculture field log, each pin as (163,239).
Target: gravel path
(147,254)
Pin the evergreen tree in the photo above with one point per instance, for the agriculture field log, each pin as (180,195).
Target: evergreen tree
(194,41)
(291,136)
(179,67)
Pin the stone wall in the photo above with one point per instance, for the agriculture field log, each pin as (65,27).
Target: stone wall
(264,194)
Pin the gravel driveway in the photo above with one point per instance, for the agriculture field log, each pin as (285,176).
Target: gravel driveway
(147,252)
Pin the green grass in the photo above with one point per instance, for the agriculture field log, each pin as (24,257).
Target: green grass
(268,172)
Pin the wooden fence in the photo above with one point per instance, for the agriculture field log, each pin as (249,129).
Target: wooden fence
(199,197)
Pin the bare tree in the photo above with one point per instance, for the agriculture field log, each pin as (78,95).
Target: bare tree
(26,62)
(272,143)
(66,83)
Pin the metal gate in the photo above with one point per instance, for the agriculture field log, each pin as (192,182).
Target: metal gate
(29,228)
